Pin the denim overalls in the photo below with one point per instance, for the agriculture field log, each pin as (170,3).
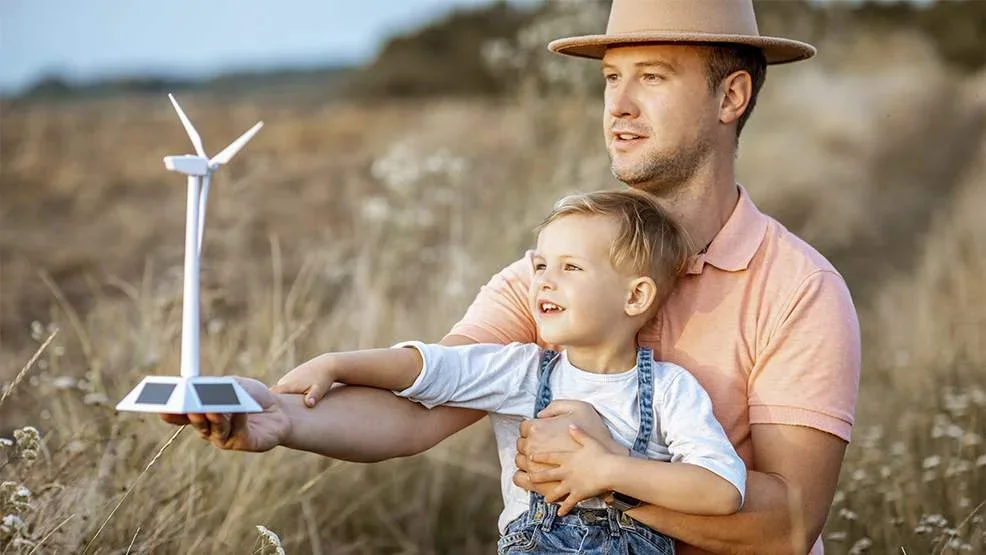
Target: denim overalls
(588,531)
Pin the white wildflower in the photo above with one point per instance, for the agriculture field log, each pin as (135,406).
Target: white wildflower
(6,442)
(271,538)
(64,382)
(847,514)
(931,462)
(981,461)
(836,536)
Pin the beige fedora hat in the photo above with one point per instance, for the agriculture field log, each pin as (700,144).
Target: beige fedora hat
(683,21)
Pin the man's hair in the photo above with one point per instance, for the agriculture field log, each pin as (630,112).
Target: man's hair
(648,242)
(725,59)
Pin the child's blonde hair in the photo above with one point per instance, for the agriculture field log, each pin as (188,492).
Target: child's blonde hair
(648,242)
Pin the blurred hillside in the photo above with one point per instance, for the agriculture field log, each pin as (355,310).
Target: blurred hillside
(448,57)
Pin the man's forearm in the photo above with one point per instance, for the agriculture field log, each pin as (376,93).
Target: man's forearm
(763,526)
(363,424)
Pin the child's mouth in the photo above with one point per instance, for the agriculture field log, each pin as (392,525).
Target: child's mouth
(547,308)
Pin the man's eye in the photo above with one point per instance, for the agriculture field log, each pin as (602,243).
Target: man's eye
(611,77)
(651,77)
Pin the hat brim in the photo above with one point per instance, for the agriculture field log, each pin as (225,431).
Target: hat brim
(776,50)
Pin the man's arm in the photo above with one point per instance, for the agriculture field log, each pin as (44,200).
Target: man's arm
(787,497)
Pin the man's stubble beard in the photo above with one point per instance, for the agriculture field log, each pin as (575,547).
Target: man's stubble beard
(665,173)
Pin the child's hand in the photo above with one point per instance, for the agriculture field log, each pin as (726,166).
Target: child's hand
(581,474)
(313,379)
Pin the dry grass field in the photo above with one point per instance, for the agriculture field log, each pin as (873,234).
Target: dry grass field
(346,225)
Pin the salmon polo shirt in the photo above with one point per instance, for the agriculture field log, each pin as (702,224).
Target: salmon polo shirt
(762,320)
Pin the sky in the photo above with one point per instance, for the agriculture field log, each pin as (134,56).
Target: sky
(81,40)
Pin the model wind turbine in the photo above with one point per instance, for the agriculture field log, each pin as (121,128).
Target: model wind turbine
(190,392)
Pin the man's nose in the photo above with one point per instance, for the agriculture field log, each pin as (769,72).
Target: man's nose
(620,102)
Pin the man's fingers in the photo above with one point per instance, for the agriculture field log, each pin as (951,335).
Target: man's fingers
(220,424)
(523,480)
(550,475)
(522,445)
(199,422)
(549,458)
(567,505)
(556,494)
(556,408)
(525,428)
(521,461)
(176,419)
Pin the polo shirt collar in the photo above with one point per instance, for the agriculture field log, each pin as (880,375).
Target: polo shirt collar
(734,246)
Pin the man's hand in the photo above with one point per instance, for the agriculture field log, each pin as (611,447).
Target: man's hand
(313,379)
(241,432)
(550,433)
(580,474)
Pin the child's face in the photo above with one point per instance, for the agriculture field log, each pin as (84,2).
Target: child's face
(577,297)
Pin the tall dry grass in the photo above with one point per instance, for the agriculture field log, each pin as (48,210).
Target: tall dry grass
(345,226)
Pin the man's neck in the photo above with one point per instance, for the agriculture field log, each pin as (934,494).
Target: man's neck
(704,204)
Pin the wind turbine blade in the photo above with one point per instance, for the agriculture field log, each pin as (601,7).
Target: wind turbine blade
(192,133)
(227,153)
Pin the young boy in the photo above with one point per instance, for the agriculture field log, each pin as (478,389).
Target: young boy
(604,263)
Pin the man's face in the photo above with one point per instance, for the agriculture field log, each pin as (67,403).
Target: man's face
(577,297)
(659,116)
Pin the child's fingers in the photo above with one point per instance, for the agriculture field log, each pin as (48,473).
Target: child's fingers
(287,385)
(315,393)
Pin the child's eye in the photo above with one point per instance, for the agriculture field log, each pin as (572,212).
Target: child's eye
(539,266)
(572,268)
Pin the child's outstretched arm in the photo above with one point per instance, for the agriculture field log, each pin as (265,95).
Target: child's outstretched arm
(389,368)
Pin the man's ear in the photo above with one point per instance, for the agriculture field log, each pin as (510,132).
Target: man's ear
(737,89)
(642,296)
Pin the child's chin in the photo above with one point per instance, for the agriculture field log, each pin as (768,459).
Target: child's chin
(553,338)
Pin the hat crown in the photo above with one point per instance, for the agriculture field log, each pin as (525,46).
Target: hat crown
(718,17)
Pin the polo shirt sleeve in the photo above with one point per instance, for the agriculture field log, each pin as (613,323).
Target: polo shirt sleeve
(500,312)
(808,372)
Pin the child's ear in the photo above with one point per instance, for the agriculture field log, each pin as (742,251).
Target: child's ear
(643,294)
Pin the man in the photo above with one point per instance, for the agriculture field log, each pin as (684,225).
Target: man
(762,320)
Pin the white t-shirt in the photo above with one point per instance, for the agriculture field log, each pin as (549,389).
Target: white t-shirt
(503,380)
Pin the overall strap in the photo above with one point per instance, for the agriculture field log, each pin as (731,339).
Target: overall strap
(545,366)
(645,399)
(548,360)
